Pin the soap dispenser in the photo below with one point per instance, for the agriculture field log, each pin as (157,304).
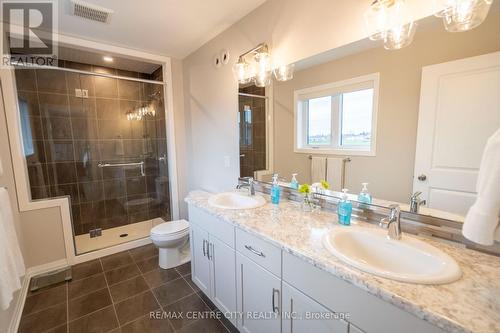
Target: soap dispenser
(294,183)
(275,190)
(344,209)
(364,197)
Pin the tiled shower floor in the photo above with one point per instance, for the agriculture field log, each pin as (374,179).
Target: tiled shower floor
(117,294)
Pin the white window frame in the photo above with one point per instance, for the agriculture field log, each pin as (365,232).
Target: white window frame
(334,89)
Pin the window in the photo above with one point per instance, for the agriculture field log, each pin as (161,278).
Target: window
(338,118)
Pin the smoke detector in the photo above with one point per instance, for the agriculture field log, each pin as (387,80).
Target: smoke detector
(90,11)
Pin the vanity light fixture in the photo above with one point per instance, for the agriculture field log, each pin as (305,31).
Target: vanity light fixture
(388,20)
(462,15)
(107,58)
(260,69)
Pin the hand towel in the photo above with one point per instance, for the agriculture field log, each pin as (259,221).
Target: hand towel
(11,259)
(481,223)
(334,173)
(318,169)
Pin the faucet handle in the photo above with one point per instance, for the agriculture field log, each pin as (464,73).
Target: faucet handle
(415,195)
(384,223)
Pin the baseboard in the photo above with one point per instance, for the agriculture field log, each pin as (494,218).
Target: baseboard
(30,272)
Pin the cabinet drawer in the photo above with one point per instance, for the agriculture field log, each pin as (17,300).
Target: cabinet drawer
(260,251)
(219,228)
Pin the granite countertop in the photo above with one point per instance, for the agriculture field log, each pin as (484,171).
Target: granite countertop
(469,305)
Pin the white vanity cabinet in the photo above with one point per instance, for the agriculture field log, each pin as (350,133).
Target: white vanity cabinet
(302,314)
(213,260)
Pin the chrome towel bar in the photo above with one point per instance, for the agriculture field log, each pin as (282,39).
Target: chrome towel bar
(111,165)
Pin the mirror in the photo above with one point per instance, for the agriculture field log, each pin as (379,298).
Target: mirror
(406,121)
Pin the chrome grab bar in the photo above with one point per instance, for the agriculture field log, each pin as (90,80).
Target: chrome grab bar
(106,165)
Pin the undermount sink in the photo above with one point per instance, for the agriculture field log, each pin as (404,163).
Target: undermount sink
(236,200)
(406,260)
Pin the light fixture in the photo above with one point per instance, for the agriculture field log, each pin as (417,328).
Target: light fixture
(107,58)
(260,70)
(388,20)
(462,15)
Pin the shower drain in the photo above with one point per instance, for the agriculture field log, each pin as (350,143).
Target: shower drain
(123,235)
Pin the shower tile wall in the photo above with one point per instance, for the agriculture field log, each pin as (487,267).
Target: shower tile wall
(65,137)
(253,147)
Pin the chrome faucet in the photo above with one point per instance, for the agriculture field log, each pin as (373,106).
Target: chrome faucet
(416,202)
(392,223)
(249,185)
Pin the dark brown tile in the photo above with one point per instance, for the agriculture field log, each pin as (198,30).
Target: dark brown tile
(85,286)
(107,108)
(25,79)
(116,260)
(91,212)
(48,298)
(136,185)
(188,304)
(189,280)
(36,126)
(59,151)
(204,326)
(59,329)
(128,288)
(114,188)
(106,87)
(149,325)
(29,101)
(103,70)
(86,269)
(130,90)
(56,128)
(122,273)
(160,276)
(86,150)
(135,307)
(62,173)
(144,252)
(38,153)
(148,264)
(53,105)
(84,128)
(44,320)
(84,305)
(53,81)
(101,321)
(172,291)
(88,171)
(82,107)
(80,81)
(90,191)
(184,269)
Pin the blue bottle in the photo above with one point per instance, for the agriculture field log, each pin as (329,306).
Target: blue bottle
(275,190)
(344,209)
(294,183)
(364,197)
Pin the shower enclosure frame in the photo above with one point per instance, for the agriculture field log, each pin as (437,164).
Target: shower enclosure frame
(25,203)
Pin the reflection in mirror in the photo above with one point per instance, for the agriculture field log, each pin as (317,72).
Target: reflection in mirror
(406,121)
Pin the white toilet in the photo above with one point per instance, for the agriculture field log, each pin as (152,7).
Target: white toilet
(172,240)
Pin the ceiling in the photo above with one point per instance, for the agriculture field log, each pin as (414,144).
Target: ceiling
(165,27)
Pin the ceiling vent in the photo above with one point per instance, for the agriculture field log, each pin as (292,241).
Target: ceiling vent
(90,11)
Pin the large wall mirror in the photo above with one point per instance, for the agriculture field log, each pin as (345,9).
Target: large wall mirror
(405,121)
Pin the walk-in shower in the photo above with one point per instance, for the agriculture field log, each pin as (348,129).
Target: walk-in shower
(97,135)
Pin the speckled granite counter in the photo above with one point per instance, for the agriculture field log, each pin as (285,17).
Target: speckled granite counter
(471,304)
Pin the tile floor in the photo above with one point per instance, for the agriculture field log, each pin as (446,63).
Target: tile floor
(117,294)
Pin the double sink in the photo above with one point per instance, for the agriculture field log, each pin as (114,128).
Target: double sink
(369,249)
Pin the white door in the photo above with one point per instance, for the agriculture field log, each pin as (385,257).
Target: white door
(200,264)
(459,110)
(223,267)
(259,298)
(302,314)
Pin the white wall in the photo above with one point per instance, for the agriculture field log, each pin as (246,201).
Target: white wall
(295,29)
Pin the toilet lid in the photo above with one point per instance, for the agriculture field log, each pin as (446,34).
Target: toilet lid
(169,228)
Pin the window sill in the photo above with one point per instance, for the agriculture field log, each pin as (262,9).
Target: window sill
(342,152)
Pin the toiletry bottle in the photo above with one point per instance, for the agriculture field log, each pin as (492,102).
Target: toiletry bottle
(364,196)
(275,190)
(294,183)
(344,209)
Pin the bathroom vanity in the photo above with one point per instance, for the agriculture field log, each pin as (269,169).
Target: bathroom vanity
(268,268)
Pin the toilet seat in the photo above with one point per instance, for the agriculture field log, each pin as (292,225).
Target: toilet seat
(172,229)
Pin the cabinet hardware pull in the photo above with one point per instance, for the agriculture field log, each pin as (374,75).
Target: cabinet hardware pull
(254,251)
(276,309)
(291,315)
(210,251)
(204,247)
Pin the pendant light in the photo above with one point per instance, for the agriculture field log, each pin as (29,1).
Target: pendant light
(462,15)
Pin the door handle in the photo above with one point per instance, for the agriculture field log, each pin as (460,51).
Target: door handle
(205,248)
(254,251)
(422,177)
(276,308)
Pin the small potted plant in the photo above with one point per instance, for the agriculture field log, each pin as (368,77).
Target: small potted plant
(307,205)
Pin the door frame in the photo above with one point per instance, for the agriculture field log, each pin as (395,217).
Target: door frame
(25,203)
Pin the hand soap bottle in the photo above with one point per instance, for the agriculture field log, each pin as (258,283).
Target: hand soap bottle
(364,197)
(275,190)
(344,209)
(294,183)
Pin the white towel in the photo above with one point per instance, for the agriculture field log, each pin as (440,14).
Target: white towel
(481,223)
(318,169)
(334,172)
(11,259)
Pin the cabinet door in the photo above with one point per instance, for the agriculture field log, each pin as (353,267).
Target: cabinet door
(301,314)
(200,265)
(223,267)
(258,294)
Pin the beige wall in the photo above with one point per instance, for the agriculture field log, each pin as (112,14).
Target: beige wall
(390,173)
(295,29)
